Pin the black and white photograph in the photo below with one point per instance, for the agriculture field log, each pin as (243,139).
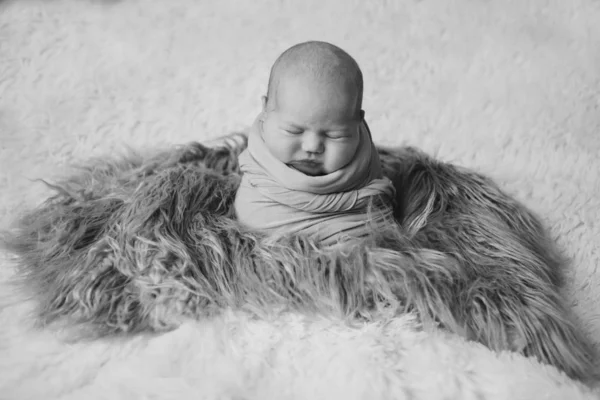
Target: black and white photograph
(299,199)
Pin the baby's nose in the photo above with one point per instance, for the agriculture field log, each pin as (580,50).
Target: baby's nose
(312,143)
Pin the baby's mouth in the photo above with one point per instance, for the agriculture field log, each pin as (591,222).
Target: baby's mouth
(308,167)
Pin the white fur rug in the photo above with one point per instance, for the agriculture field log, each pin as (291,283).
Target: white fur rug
(508,87)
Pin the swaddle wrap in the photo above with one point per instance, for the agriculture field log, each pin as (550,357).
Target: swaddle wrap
(274,197)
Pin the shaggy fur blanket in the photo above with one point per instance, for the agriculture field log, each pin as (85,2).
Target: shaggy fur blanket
(507,88)
(142,244)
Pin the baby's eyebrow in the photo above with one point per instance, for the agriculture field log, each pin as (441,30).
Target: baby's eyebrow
(292,125)
(338,126)
(341,126)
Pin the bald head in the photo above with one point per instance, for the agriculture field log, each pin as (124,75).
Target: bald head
(320,62)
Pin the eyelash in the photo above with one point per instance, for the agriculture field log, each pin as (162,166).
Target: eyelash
(295,133)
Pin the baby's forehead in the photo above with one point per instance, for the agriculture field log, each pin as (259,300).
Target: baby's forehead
(342,83)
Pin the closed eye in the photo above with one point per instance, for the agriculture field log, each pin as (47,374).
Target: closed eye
(293,131)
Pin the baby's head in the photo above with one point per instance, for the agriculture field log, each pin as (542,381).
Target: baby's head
(313,109)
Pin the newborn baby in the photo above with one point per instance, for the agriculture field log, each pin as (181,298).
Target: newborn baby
(311,166)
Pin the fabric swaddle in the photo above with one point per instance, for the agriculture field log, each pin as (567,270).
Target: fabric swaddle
(344,204)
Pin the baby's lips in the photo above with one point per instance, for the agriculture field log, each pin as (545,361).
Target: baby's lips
(306,162)
(307,166)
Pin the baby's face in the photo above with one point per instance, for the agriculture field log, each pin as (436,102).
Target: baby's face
(314,128)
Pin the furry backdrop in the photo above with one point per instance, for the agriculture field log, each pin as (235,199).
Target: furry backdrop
(507,88)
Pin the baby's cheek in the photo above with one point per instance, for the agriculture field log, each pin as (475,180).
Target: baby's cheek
(342,156)
(281,147)
(350,152)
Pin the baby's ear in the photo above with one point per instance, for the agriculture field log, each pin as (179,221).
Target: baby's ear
(264,100)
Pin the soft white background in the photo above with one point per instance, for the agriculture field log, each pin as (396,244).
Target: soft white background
(510,88)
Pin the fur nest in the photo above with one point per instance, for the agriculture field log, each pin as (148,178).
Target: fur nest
(142,243)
